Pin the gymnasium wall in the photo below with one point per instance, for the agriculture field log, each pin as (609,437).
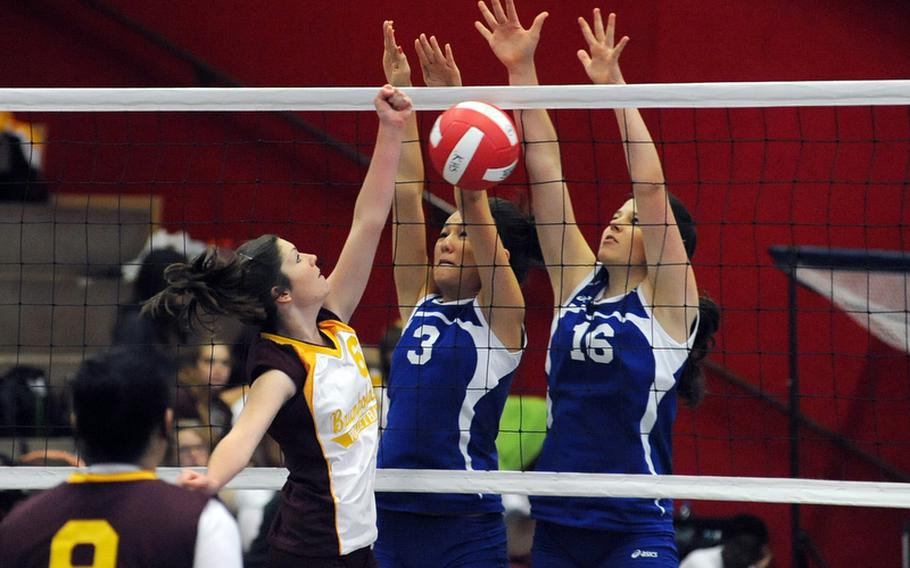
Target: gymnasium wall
(206,168)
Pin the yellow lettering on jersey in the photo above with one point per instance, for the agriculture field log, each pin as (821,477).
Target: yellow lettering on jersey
(96,532)
(357,354)
(369,418)
(362,415)
(341,420)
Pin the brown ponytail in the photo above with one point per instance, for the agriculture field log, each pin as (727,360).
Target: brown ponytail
(218,283)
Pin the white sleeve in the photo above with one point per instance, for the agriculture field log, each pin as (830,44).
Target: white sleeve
(703,558)
(217,539)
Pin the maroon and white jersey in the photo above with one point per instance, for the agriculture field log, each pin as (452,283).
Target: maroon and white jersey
(123,519)
(328,432)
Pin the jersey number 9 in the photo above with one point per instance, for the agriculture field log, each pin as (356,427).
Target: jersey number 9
(96,533)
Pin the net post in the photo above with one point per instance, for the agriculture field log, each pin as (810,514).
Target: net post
(905,545)
(787,259)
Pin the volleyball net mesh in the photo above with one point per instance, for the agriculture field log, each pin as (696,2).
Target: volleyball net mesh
(93,180)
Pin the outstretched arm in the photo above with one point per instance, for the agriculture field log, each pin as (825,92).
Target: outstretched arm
(670,277)
(566,253)
(409,243)
(348,281)
(266,397)
(500,295)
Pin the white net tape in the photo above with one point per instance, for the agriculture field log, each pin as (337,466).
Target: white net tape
(671,95)
(740,489)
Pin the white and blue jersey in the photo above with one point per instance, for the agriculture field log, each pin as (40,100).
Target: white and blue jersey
(449,381)
(611,374)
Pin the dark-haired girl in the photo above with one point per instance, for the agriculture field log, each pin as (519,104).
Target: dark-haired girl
(311,389)
(629,327)
(462,341)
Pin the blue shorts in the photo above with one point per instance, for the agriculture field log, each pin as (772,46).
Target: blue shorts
(409,540)
(559,546)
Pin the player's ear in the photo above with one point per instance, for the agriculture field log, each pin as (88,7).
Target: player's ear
(281,294)
(167,424)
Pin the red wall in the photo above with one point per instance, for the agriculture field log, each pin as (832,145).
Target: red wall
(753,178)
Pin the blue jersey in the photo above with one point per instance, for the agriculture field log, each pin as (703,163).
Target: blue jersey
(449,382)
(611,376)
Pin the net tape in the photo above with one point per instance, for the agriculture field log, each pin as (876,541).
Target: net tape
(669,95)
(709,488)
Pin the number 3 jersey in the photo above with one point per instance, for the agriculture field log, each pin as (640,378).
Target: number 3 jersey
(611,376)
(449,381)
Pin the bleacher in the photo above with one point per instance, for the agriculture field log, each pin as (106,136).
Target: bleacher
(60,282)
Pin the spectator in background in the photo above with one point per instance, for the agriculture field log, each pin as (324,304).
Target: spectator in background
(132,328)
(744,544)
(211,404)
(102,515)
(193,446)
(205,369)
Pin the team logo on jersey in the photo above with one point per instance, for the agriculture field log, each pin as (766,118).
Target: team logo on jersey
(353,422)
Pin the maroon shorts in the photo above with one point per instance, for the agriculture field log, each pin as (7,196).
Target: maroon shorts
(362,558)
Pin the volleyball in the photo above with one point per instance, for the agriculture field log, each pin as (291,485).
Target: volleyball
(474,145)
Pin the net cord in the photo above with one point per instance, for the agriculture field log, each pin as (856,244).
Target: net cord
(668,95)
(707,488)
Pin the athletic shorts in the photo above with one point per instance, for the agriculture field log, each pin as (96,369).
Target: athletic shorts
(560,546)
(410,540)
(362,558)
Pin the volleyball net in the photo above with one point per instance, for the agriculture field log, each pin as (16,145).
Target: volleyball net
(760,165)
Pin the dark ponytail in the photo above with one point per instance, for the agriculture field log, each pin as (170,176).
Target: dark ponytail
(518,236)
(218,282)
(691,385)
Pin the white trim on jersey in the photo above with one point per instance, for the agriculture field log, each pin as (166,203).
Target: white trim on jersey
(493,358)
(217,539)
(669,355)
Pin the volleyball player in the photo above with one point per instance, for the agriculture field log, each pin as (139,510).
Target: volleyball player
(462,341)
(116,513)
(311,388)
(629,325)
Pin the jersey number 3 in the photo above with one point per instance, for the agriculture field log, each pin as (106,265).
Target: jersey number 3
(427,334)
(96,533)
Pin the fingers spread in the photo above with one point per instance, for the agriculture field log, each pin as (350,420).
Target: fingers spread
(537,24)
(488,16)
(622,45)
(487,34)
(511,12)
(499,12)
(599,26)
(586,32)
(584,57)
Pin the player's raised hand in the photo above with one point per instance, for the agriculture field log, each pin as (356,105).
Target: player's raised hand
(512,44)
(392,106)
(602,63)
(394,61)
(197,481)
(438,65)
